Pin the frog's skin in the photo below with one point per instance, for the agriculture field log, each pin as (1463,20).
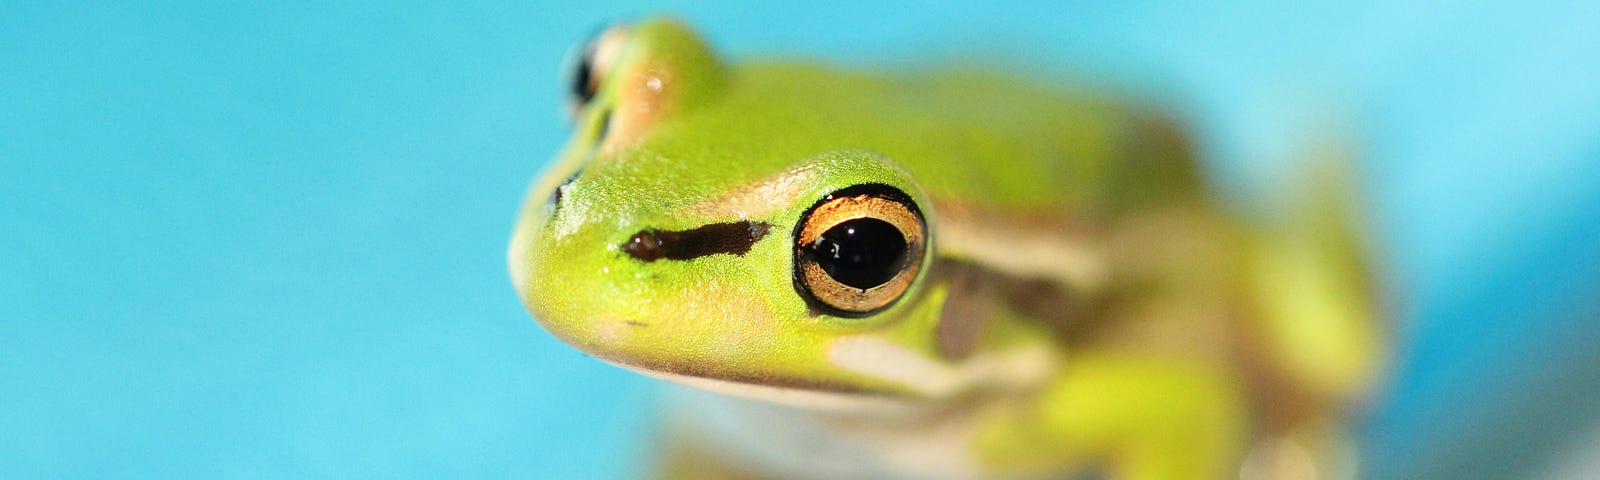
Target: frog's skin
(1073,301)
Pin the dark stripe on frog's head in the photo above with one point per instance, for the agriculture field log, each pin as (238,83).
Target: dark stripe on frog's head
(732,237)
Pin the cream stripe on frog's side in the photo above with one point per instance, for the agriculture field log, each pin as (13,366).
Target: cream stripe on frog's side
(1016,367)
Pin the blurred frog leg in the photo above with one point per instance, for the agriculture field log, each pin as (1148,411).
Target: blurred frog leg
(1319,322)
(1139,418)
(1314,286)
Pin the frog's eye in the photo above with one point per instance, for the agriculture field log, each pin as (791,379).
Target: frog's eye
(857,250)
(593,64)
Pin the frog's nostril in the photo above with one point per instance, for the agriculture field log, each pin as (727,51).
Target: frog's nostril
(561,191)
(645,245)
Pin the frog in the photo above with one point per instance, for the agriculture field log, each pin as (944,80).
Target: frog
(949,272)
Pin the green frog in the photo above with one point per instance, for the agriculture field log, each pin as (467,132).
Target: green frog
(937,274)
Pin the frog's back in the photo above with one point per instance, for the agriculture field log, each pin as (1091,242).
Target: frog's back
(995,142)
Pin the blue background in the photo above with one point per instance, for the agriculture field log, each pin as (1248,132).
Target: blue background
(267,240)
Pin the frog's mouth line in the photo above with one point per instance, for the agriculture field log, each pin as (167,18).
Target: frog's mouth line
(831,398)
(789,391)
(678,372)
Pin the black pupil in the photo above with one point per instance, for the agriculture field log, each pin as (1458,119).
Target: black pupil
(862,253)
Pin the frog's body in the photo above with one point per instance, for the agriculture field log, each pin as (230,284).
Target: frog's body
(1053,289)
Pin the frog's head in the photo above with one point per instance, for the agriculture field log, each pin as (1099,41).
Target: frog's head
(714,227)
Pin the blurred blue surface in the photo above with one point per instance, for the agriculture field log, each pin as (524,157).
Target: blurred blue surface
(267,240)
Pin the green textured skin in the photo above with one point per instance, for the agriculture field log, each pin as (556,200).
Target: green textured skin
(763,141)
(760,121)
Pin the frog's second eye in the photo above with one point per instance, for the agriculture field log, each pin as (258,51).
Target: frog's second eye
(593,65)
(857,250)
